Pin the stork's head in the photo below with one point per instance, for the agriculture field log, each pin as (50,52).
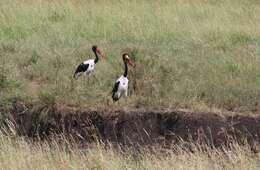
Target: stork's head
(95,49)
(128,60)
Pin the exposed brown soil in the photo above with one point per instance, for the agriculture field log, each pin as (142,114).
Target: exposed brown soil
(131,128)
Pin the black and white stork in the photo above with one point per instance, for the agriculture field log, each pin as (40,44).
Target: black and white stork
(88,66)
(121,85)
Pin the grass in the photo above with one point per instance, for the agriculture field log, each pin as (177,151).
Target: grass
(193,55)
(19,153)
(202,55)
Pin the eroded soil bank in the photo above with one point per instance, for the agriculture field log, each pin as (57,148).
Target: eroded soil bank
(131,128)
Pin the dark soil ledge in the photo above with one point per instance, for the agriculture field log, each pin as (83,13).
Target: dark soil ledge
(128,128)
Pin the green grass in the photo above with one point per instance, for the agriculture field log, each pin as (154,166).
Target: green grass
(190,54)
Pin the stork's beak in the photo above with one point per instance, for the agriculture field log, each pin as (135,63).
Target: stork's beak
(131,63)
(100,53)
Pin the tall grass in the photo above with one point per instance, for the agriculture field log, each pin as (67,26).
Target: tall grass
(18,153)
(190,54)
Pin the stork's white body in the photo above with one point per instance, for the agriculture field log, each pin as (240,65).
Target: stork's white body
(123,86)
(90,68)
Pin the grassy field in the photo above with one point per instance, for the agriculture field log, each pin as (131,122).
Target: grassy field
(202,54)
(17,153)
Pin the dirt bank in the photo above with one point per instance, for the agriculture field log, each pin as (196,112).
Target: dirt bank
(129,128)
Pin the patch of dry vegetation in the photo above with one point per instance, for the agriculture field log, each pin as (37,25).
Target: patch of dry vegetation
(19,153)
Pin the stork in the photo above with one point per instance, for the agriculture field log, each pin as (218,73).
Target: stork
(121,85)
(88,66)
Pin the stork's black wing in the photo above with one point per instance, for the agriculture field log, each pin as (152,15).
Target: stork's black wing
(115,88)
(81,68)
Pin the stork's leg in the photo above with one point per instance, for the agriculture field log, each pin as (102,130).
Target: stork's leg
(118,101)
(108,102)
(126,93)
(124,103)
(125,97)
(94,77)
(125,100)
(86,75)
(72,86)
(83,77)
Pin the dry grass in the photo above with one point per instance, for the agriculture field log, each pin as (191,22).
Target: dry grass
(17,153)
(191,55)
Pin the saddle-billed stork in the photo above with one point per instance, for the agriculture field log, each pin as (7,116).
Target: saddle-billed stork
(88,66)
(121,85)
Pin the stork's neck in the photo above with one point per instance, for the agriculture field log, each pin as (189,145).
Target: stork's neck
(96,59)
(126,68)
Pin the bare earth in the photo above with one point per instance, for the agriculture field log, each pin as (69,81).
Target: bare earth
(132,128)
